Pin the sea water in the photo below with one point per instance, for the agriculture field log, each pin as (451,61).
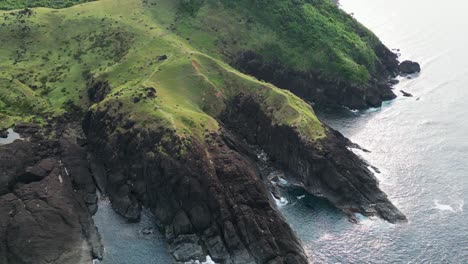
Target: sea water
(419,144)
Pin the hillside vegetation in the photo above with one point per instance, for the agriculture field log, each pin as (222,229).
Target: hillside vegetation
(305,35)
(164,60)
(17,4)
(51,57)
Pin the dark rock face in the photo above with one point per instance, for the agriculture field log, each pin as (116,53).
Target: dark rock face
(42,219)
(3,133)
(97,89)
(324,168)
(208,198)
(409,67)
(406,94)
(314,87)
(77,167)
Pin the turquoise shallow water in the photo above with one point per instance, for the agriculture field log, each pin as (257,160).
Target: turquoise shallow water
(420,144)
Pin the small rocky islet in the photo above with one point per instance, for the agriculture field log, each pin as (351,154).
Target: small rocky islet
(163,108)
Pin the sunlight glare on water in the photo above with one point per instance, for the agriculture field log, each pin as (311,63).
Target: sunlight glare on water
(419,144)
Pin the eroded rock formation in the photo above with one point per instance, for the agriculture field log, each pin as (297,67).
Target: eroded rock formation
(208,198)
(43,217)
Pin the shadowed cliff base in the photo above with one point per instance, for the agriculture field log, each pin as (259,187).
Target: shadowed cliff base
(325,167)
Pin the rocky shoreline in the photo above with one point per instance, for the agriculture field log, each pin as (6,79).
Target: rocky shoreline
(46,199)
(328,92)
(208,196)
(326,168)
(157,120)
(207,202)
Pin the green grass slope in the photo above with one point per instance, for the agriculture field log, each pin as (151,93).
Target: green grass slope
(48,55)
(305,35)
(17,4)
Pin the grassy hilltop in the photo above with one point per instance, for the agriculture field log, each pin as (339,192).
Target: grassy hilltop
(179,48)
(303,34)
(50,56)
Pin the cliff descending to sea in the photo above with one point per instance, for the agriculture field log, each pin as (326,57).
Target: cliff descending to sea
(160,104)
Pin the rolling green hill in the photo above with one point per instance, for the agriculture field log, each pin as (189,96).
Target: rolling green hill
(304,34)
(51,56)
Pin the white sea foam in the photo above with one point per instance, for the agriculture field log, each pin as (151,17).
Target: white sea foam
(367,222)
(12,136)
(373,110)
(281,201)
(361,218)
(262,155)
(443,207)
(325,237)
(207,261)
(454,208)
(283,181)
(372,169)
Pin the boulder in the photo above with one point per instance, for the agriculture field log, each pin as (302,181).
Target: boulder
(187,252)
(405,94)
(409,67)
(393,81)
(3,133)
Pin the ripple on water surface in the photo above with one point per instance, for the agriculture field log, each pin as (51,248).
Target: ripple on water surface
(129,243)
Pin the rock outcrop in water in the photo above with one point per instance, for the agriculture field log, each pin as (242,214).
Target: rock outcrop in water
(43,217)
(409,67)
(3,133)
(324,168)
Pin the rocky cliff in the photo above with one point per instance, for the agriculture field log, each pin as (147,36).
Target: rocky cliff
(150,108)
(208,198)
(45,212)
(325,167)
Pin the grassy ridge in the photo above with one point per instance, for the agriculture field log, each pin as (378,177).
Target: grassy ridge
(48,55)
(304,34)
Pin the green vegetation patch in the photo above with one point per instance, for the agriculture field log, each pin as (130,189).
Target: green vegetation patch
(17,4)
(306,35)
